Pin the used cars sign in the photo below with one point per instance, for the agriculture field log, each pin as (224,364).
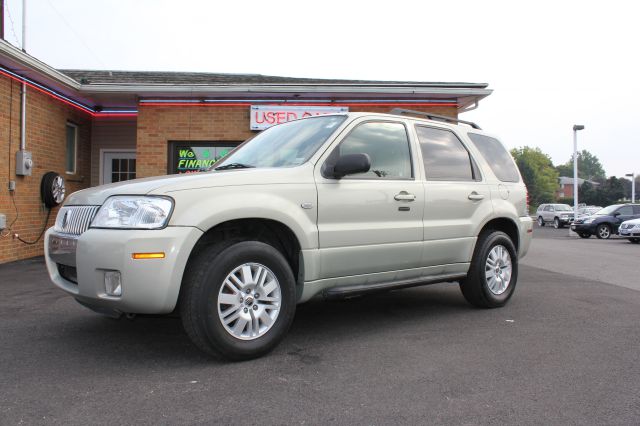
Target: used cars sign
(265,116)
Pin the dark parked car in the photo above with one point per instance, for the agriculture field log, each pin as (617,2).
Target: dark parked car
(606,221)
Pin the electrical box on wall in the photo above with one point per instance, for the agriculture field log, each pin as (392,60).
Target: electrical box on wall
(3,222)
(24,163)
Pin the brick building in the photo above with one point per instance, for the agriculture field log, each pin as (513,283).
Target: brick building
(98,127)
(565,183)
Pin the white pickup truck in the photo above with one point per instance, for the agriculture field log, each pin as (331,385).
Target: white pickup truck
(335,205)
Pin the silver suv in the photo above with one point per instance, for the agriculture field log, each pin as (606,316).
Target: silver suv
(558,214)
(333,206)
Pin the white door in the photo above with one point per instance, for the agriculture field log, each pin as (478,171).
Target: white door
(371,222)
(118,166)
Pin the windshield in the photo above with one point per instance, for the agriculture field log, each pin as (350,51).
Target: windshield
(608,210)
(284,145)
(562,207)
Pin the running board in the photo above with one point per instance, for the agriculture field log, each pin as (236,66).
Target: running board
(358,289)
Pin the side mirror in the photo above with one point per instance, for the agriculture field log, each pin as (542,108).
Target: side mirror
(351,164)
(616,214)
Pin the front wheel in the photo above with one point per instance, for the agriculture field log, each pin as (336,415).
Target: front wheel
(634,240)
(603,231)
(584,235)
(556,223)
(540,221)
(493,273)
(238,299)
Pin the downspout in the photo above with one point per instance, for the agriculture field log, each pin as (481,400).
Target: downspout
(23,104)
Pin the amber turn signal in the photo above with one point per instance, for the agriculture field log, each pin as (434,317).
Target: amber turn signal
(148,255)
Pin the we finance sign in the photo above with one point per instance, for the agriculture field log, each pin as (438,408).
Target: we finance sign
(265,116)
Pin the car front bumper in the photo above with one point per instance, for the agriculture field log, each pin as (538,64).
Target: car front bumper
(584,228)
(149,286)
(629,233)
(565,220)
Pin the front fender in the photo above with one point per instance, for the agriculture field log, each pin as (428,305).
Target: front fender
(205,208)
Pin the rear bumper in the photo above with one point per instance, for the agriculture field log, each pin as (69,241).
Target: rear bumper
(526,234)
(149,286)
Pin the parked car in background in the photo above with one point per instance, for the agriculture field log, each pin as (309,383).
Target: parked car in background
(558,214)
(605,222)
(586,211)
(630,229)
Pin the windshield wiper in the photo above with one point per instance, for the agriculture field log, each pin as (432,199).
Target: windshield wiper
(234,166)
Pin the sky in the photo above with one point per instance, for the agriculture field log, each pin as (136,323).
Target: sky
(551,64)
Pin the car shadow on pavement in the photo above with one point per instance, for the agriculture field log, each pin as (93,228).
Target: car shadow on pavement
(149,340)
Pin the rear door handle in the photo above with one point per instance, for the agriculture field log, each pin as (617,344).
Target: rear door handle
(475,196)
(404,196)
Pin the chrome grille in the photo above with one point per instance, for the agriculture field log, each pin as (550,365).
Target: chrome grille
(628,225)
(75,220)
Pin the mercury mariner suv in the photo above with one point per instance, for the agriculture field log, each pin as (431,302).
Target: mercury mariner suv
(334,205)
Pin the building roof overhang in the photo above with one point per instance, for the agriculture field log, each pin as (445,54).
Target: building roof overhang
(100,90)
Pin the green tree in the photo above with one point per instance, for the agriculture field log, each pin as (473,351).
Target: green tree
(589,167)
(608,192)
(538,174)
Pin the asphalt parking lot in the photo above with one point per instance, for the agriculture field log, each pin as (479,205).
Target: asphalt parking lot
(565,350)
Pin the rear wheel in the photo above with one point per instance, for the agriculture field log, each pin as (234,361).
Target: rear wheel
(584,235)
(540,221)
(493,273)
(238,299)
(603,231)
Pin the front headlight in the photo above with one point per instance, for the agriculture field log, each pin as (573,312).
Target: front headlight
(588,220)
(133,212)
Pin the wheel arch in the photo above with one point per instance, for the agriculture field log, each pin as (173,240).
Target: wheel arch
(506,225)
(269,231)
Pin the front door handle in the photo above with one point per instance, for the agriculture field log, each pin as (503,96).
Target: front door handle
(474,196)
(404,196)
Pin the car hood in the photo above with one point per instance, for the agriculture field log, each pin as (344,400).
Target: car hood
(167,185)
(632,221)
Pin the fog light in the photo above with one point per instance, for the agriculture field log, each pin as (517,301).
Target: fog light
(113,283)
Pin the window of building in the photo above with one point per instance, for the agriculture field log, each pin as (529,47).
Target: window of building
(497,157)
(190,157)
(444,156)
(72,148)
(387,146)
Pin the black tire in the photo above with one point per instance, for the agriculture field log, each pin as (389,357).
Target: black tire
(603,231)
(634,240)
(557,224)
(199,295)
(540,221)
(584,235)
(474,287)
(50,188)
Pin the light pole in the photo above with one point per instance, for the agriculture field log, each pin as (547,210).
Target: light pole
(576,127)
(633,186)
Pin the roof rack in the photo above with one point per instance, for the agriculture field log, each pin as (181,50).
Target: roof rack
(402,111)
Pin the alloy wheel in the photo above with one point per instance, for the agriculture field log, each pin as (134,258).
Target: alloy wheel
(498,270)
(249,301)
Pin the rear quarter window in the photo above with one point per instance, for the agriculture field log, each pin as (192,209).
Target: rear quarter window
(497,157)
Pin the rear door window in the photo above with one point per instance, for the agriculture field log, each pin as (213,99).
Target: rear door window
(497,157)
(444,156)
